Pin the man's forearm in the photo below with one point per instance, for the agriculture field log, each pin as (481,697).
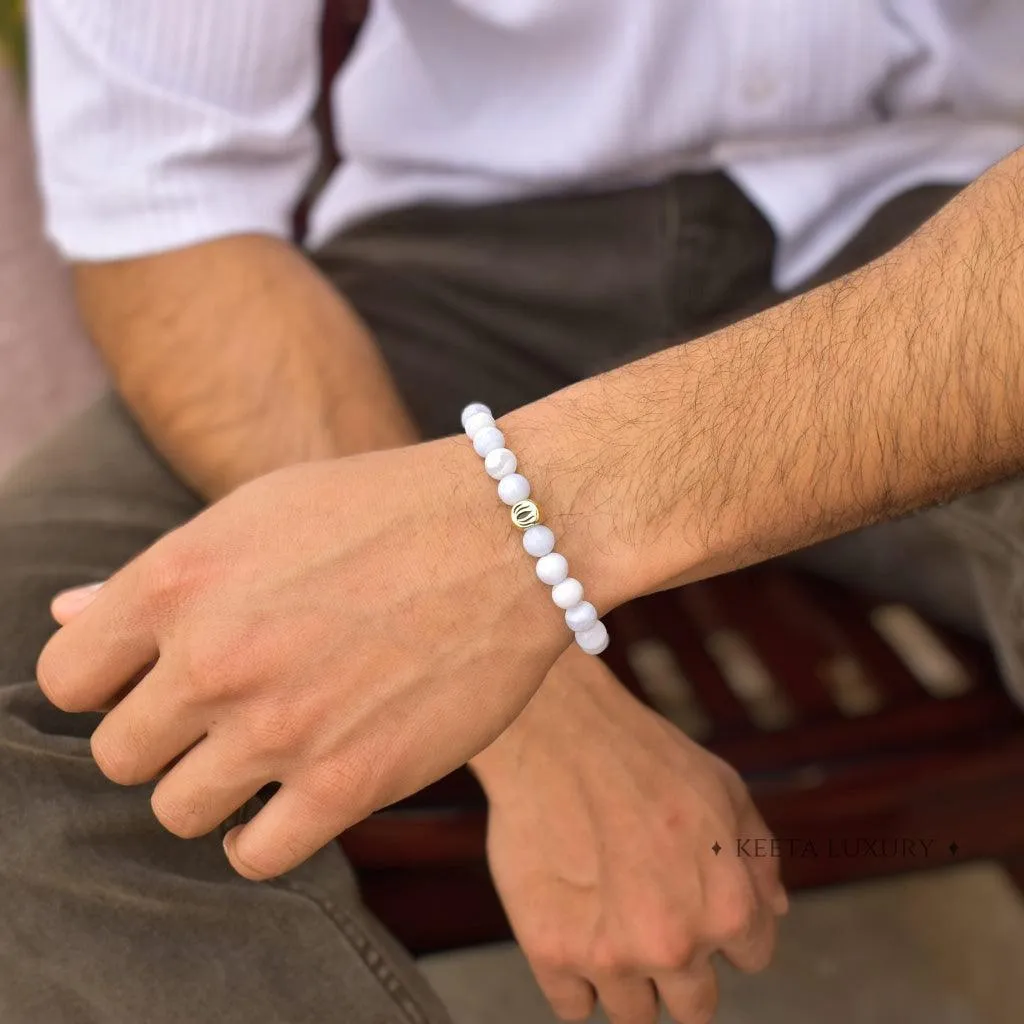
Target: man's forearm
(237,357)
(898,386)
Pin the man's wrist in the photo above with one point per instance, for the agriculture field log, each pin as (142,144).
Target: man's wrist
(477,525)
(554,720)
(584,461)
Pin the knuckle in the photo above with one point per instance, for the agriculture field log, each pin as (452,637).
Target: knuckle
(170,573)
(195,679)
(182,815)
(351,795)
(350,779)
(607,958)
(274,731)
(114,758)
(668,953)
(735,912)
(163,575)
(201,670)
(220,665)
(53,679)
(292,851)
(255,864)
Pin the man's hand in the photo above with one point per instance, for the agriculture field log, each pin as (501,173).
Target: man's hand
(353,629)
(602,821)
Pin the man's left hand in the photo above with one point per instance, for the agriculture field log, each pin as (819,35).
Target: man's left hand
(603,822)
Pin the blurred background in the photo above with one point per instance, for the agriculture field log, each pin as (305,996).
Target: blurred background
(47,368)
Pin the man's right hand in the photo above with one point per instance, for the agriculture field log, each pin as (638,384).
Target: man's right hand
(601,838)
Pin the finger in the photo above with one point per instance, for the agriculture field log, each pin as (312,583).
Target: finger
(628,999)
(88,661)
(205,788)
(288,830)
(146,730)
(691,995)
(570,996)
(68,603)
(765,871)
(739,922)
(751,950)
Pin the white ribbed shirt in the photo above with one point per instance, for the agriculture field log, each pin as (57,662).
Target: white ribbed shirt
(162,123)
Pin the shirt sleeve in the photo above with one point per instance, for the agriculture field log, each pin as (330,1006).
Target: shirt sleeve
(162,123)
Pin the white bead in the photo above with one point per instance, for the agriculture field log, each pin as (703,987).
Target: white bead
(552,568)
(538,541)
(487,440)
(500,463)
(477,422)
(514,487)
(593,640)
(472,409)
(580,617)
(567,593)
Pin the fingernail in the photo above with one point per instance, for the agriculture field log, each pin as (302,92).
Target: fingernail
(70,602)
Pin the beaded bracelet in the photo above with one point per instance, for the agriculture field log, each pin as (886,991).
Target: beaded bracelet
(538,540)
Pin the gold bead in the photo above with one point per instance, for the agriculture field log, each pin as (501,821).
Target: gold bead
(525,514)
